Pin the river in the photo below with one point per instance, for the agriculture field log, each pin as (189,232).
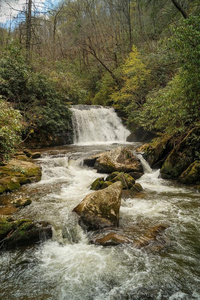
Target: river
(68,267)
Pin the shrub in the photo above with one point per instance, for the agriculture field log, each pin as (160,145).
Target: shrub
(10,129)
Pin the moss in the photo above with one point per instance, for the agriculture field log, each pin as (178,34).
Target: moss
(9,184)
(137,187)
(16,173)
(5,228)
(97,184)
(192,174)
(105,184)
(126,179)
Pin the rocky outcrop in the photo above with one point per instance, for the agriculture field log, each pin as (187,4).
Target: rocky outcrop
(119,159)
(16,173)
(182,156)
(156,152)
(100,209)
(192,174)
(22,232)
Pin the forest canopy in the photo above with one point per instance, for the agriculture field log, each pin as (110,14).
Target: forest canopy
(141,57)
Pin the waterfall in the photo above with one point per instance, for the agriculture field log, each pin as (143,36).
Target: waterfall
(97,124)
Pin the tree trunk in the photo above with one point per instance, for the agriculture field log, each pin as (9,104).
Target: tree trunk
(180,8)
(28,29)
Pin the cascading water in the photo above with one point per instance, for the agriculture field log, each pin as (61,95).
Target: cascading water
(69,268)
(97,124)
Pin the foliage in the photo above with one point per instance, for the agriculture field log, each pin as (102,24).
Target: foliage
(106,86)
(42,107)
(176,106)
(10,129)
(135,76)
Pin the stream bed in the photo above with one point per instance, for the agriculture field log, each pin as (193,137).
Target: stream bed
(69,268)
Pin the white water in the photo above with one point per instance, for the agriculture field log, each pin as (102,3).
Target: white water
(69,268)
(96,125)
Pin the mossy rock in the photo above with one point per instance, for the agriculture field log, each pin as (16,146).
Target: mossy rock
(137,188)
(22,232)
(156,152)
(21,202)
(106,184)
(192,174)
(5,228)
(16,173)
(97,184)
(9,184)
(182,156)
(36,155)
(127,180)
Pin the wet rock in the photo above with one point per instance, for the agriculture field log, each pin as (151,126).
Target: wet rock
(22,232)
(97,184)
(192,174)
(27,152)
(127,180)
(152,238)
(119,159)
(100,209)
(156,152)
(111,239)
(137,188)
(16,173)
(182,156)
(35,155)
(21,202)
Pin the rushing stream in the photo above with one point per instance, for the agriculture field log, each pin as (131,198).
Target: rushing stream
(69,268)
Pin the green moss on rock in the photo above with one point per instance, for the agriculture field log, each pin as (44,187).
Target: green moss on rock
(192,174)
(16,173)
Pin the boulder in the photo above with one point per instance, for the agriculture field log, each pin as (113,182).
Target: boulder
(127,180)
(192,174)
(110,239)
(16,173)
(156,152)
(35,155)
(182,156)
(100,209)
(22,232)
(119,159)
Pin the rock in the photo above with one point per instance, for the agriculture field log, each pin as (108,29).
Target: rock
(90,161)
(127,180)
(22,232)
(119,159)
(152,238)
(8,184)
(27,152)
(111,239)
(100,209)
(137,188)
(182,156)
(156,152)
(97,184)
(21,202)
(16,173)
(36,155)
(192,174)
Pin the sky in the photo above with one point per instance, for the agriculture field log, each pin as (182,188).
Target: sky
(9,9)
